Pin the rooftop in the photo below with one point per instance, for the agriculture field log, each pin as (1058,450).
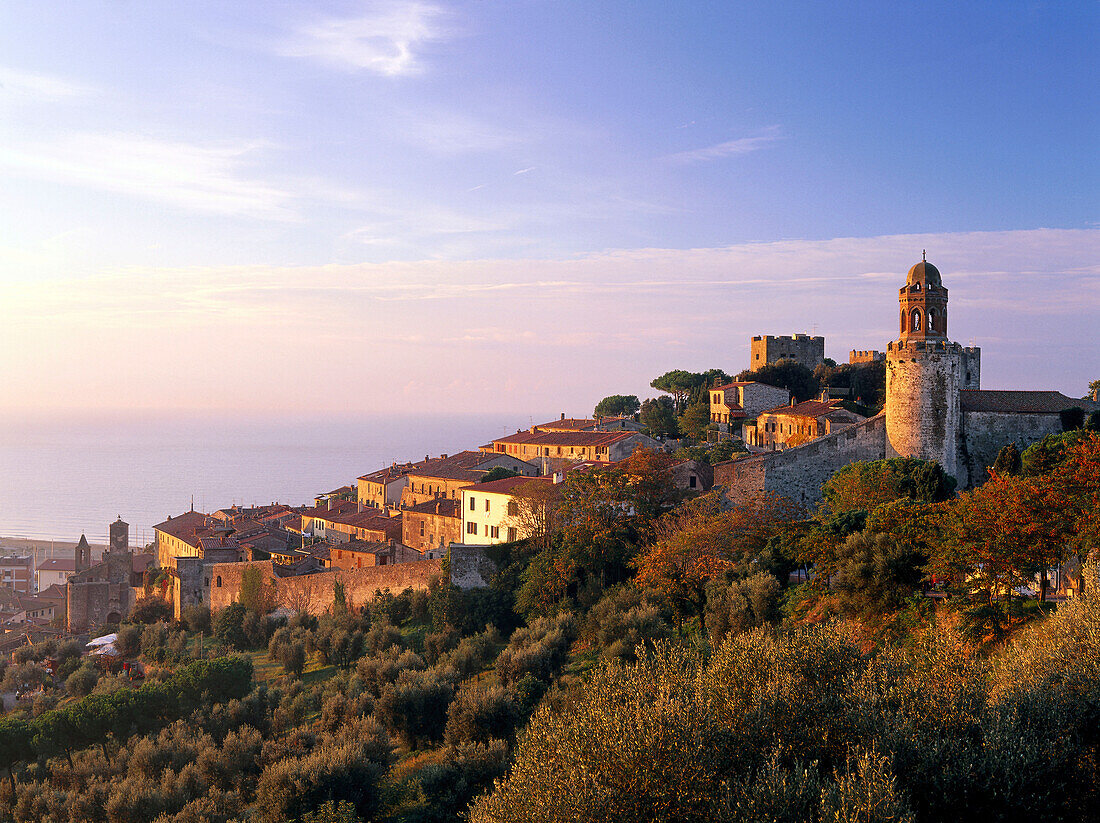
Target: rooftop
(505,486)
(1020,402)
(582,438)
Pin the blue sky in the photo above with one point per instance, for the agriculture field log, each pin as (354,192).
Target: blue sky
(529,204)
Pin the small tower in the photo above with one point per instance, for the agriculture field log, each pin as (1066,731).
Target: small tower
(83,555)
(923,302)
(118,537)
(924,374)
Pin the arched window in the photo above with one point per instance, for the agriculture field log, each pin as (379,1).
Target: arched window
(914,320)
(932,324)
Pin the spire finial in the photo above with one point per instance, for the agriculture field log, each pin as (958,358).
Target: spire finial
(923,256)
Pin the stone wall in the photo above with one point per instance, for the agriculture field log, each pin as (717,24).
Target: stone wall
(470,568)
(798,473)
(765,349)
(313,592)
(984,433)
(923,379)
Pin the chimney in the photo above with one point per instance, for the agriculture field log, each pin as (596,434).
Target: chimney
(563,415)
(825,395)
(442,457)
(792,400)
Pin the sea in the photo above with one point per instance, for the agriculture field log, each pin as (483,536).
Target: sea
(63,475)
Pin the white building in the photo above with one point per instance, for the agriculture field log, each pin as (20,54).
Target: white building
(490,510)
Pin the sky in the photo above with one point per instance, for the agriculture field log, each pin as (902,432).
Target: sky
(503,205)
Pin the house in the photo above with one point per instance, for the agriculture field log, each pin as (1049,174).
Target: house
(692,475)
(447,475)
(491,512)
(179,536)
(340,524)
(552,451)
(382,489)
(603,424)
(53,572)
(17,573)
(794,425)
(358,554)
(730,403)
(428,525)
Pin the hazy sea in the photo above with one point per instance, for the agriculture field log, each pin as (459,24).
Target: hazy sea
(60,476)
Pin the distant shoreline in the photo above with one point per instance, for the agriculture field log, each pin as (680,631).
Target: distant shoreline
(59,547)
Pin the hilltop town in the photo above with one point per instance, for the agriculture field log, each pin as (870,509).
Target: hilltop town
(822,557)
(392,527)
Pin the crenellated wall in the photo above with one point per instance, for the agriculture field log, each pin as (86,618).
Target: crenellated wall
(799,472)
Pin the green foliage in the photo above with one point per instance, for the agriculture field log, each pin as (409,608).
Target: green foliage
(786,374)
(1044,456)
(81,682)
(477,715)
(128,641)
(658,415)
(332,812)
(150,609)
(623,623)
(734,607)
(256,594)
(197,618)
(863,485)
(498,473)
(1008,462)
(866,381)
(229,626)
(875,574)
(617,405)
(1093,422)
(1072,418)
(414,707)
(695,419)
(539,649)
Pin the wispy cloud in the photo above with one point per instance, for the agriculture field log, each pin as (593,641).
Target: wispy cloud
(210,178)
(32,86)
(386,38)
(730,148)
(524,171)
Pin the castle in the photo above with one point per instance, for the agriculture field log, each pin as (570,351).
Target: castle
(935,410)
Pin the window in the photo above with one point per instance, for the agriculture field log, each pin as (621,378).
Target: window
(511,533)
(473,504)
(219,581)
(486,504)
(691,482)
(494,531)
(471,528)
(513,506)
(915,320)
(421,529)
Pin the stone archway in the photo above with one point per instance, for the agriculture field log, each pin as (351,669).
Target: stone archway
(114,617)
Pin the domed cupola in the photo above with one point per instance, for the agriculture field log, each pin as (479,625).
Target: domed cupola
(923,302)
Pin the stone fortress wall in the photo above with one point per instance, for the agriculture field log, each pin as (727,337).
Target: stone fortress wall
(765,349)
(983,434)
(799,472)
(313,592)
(923,379)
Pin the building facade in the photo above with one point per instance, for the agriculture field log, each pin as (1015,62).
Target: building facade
(491,511)
(801,348)
(731,403)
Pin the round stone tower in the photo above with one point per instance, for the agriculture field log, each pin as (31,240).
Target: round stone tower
(924,373)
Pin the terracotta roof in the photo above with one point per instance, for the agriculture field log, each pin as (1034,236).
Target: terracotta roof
(53,592)
(58,564)
(188,527)
(506,485)
(388,474)
(807,408)
(363,547)
(338,507)
(583,439)
(735,384)
(141,562)
(1020,402)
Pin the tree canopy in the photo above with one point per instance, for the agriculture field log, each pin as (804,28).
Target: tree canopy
(617,405)
(786,374)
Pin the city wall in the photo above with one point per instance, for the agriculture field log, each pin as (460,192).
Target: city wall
(985,433)
(799,472)
(313,592)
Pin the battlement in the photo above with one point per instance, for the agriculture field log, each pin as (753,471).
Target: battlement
(871,356)
(773,338)
(902,347)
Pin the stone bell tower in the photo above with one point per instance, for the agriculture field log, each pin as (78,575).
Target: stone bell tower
(925,373)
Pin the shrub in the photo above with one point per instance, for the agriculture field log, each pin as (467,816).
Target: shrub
(477,715)
(128,641)
(150,609)
(196,618)
(82,681)
(539,649)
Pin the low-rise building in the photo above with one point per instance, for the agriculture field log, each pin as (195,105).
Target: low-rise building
(800,423)
(553,451)
(731,403)
(382,489)
(491,511)
(55,571)
(17,573)
(427,526)
(589,424)
(447,475)
(179,536)
(359,554)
